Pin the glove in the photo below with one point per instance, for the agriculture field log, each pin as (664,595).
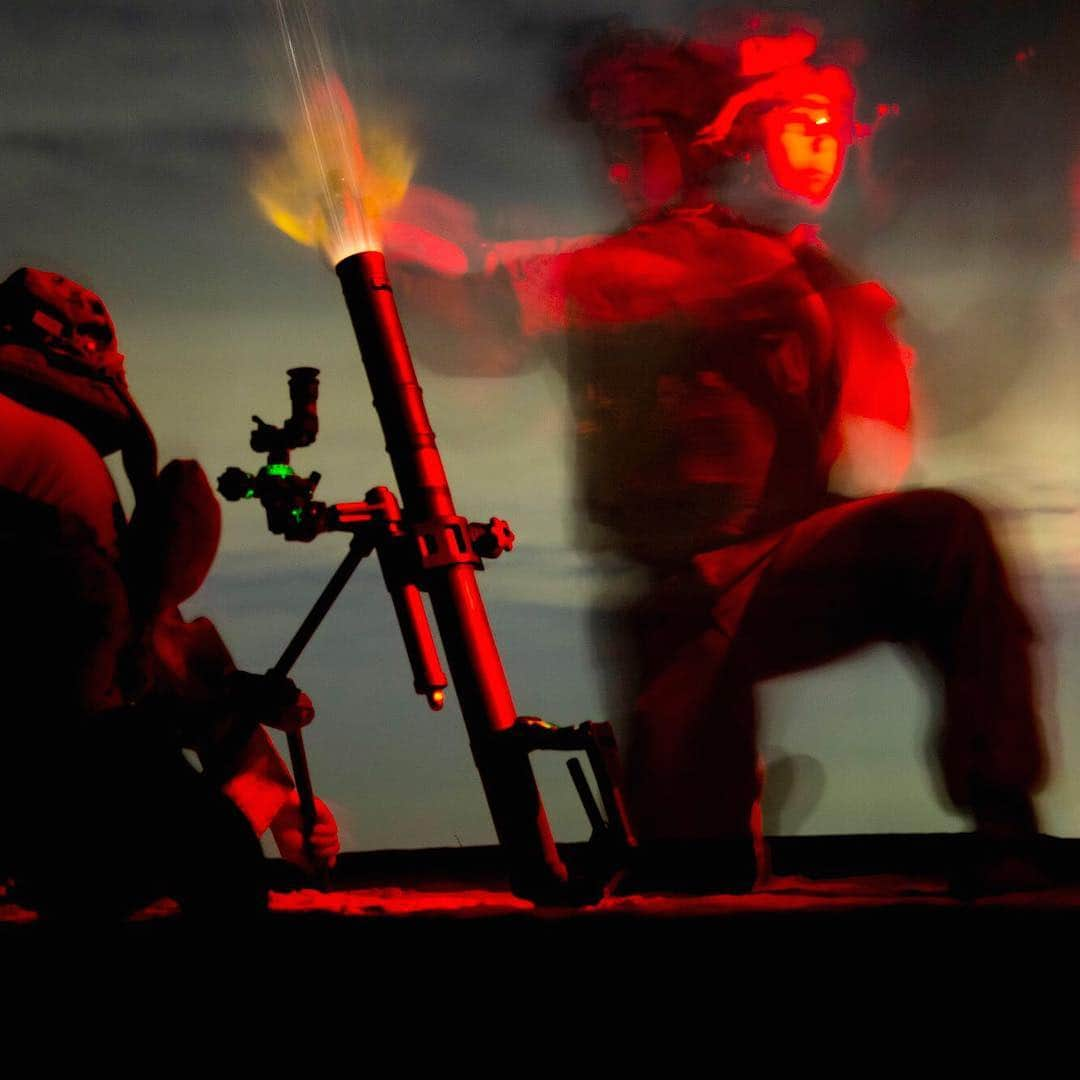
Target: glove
(273,700)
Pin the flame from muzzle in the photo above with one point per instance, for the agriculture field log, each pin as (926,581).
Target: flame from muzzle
(326,186)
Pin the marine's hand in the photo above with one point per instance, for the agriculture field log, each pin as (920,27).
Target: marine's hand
(288,832)
(293,715)
(273,700)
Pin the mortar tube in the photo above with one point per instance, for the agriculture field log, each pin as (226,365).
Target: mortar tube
(521,824)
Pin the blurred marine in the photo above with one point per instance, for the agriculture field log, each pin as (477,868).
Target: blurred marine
(726,380)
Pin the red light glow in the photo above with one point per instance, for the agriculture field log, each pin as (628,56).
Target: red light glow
(762,54)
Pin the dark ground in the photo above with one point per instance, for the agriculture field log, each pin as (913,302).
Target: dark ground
(840,895)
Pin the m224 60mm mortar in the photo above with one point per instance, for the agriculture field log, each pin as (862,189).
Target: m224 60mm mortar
(424,545)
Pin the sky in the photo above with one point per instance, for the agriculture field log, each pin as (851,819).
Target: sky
(127,130)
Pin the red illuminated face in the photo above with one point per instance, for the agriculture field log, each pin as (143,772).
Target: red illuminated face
(805,147)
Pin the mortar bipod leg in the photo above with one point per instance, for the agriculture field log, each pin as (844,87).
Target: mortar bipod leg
(359,549)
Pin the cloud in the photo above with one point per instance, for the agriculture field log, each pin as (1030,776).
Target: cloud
(149,143)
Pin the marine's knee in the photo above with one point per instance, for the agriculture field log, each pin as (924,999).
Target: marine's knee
(941,512)
(940,559)
(951,531)
(962,579)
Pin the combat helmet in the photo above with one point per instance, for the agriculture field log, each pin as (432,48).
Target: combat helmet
(58,355)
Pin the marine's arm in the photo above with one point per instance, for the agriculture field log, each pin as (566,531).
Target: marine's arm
(488,303)
(187,668)
(868,445)
(873,422)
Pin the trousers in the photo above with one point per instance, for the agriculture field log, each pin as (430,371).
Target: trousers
(919,569)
